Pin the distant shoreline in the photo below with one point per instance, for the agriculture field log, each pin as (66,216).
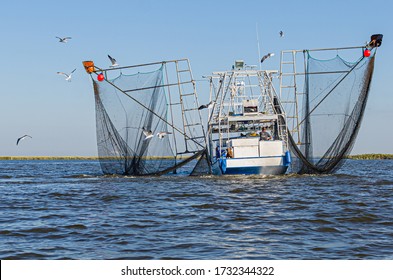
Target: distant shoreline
(48,158)
(371,156)
(355,157)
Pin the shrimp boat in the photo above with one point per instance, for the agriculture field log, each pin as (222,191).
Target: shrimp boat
(149,121)
(247,133)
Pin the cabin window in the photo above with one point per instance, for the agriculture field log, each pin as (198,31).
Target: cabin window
(251,109)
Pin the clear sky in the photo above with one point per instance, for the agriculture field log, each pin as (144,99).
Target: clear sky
(60,116)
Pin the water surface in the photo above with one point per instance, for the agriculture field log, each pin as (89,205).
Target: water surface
(69,210)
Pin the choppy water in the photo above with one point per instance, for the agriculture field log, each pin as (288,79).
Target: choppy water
(68,210)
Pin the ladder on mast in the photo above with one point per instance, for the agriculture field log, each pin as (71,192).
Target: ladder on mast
(289,84)
(189,106)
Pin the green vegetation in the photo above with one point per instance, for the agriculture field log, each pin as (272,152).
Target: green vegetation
(364,156)
(371,156)
(73,158)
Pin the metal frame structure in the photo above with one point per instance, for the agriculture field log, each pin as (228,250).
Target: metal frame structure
(292,82)
(188,135)
(227,83)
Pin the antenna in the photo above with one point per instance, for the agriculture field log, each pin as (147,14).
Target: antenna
(259,51)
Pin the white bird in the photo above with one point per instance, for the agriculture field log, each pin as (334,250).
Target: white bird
(208,105)
(266,57)
(162,134)
(21,138)
(68,76)
(64,39)
(113,61)
(148,134)
(281,34)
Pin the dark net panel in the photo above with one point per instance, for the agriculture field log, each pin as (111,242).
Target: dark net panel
(332,110)
(120,121)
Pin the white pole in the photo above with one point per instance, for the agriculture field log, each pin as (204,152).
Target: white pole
(259,51)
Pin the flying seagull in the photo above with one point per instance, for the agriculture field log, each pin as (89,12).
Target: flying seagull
(64,39)
(162,134)
(148,134)
(281,34)
(208,105)
(21,138)
(113,61)
(68,76)
(266,57)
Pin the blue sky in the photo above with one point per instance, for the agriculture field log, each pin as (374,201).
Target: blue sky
(60,116)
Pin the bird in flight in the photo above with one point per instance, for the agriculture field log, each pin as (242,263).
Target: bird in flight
(266,57)
(148,134)
(21,138)
(67,76)
(162,134)
(113,61)
(64,39)
(281,34)
(208,105)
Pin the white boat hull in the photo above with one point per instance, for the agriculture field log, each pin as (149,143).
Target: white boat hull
(272,165)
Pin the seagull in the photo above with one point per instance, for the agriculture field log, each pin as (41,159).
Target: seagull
(21,138)
(64,39)
(68,76)
(281,34)
(162,134)
(266,57)
(113,61)
(148,133)
(209,105)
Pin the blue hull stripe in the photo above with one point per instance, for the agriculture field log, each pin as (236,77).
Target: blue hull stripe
(266,170)
(257,157)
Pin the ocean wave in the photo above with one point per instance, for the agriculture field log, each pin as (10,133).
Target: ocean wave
(41,230)
(75,226)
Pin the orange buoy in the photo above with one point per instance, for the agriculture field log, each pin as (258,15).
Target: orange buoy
(89,66)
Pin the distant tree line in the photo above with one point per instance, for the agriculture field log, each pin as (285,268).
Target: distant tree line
(371,156)
(363,156)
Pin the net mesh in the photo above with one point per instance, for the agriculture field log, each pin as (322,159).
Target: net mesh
(121,122)
(148,123)
(332,108)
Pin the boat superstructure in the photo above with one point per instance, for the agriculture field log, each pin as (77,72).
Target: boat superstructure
(247,133)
